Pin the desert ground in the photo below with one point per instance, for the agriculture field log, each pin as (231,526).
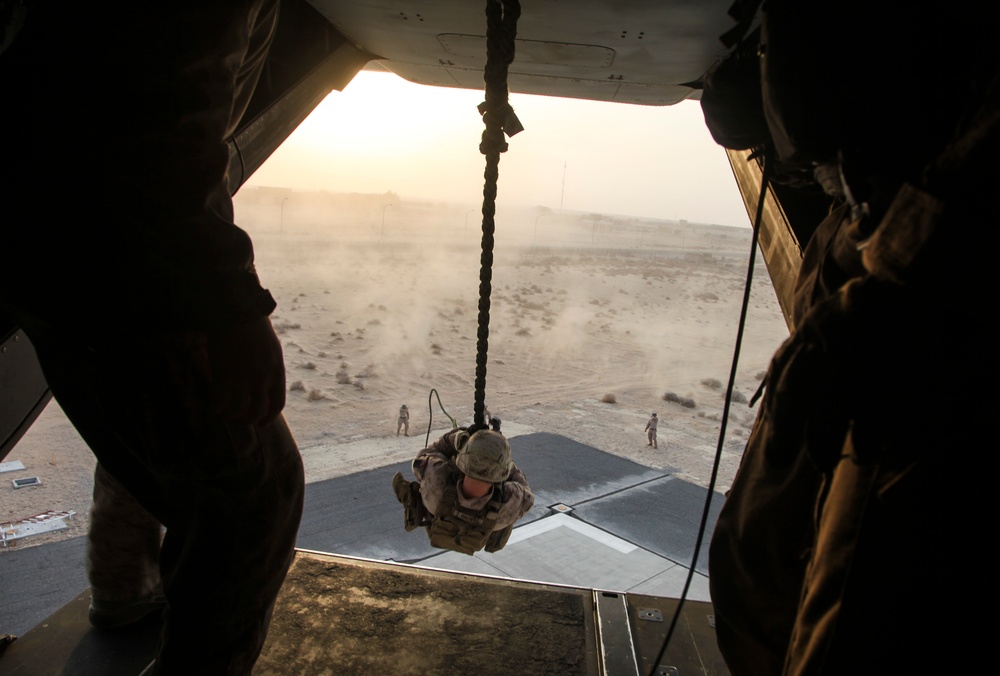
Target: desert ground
(594,320)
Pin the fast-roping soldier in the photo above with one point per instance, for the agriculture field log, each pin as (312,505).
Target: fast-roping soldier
(468,493)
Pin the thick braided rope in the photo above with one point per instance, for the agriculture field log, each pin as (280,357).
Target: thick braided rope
(501,30)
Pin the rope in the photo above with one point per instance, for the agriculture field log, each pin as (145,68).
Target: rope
(499,118)
(765,179)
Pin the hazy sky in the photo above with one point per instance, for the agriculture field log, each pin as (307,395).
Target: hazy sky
(384,133)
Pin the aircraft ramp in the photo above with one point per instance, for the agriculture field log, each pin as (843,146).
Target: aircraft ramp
(588,584)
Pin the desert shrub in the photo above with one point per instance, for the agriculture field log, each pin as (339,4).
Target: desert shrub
(297,386)
(282,326)
(739,397)
(714,383)
(343,378)
(523,332)
(370,371)
(359,384)
(609,399)
(315,395)
(374,322)
(676,399)
(761,375)
(309,366)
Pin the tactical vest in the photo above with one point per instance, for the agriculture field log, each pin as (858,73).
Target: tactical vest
(454,527)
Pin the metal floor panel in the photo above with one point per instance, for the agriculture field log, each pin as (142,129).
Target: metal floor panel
(66,645)
(345,615)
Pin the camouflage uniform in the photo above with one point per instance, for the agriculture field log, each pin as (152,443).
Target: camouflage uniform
(141,266)
(403,422)
(651,431)
(433,471)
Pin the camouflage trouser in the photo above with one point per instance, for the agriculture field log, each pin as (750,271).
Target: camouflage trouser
(123,544)
(230,497)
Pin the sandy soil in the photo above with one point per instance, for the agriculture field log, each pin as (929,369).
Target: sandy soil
(375,309)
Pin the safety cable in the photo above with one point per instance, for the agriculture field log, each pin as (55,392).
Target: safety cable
(765,178)
(499,118)
(430,415)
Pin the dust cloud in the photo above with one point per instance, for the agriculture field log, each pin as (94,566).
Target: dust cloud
(381,294)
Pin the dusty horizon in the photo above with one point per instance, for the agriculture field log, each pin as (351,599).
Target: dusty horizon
(371,319)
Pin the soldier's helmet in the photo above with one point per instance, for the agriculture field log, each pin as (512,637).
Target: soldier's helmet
(485,456)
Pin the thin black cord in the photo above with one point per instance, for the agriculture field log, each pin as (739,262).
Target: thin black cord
(765,177)
(430,415)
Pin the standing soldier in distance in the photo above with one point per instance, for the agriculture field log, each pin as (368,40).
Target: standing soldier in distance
(403,422)
(651,431)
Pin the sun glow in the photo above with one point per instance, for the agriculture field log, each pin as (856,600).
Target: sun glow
(384,133)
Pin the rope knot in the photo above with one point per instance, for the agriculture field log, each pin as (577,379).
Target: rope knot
(493,135)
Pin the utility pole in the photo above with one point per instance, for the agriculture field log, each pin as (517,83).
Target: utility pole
(465,234)
(562,196)
(384,207)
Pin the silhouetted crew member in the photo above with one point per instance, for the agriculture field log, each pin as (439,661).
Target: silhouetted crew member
(140,297)
(851,493)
